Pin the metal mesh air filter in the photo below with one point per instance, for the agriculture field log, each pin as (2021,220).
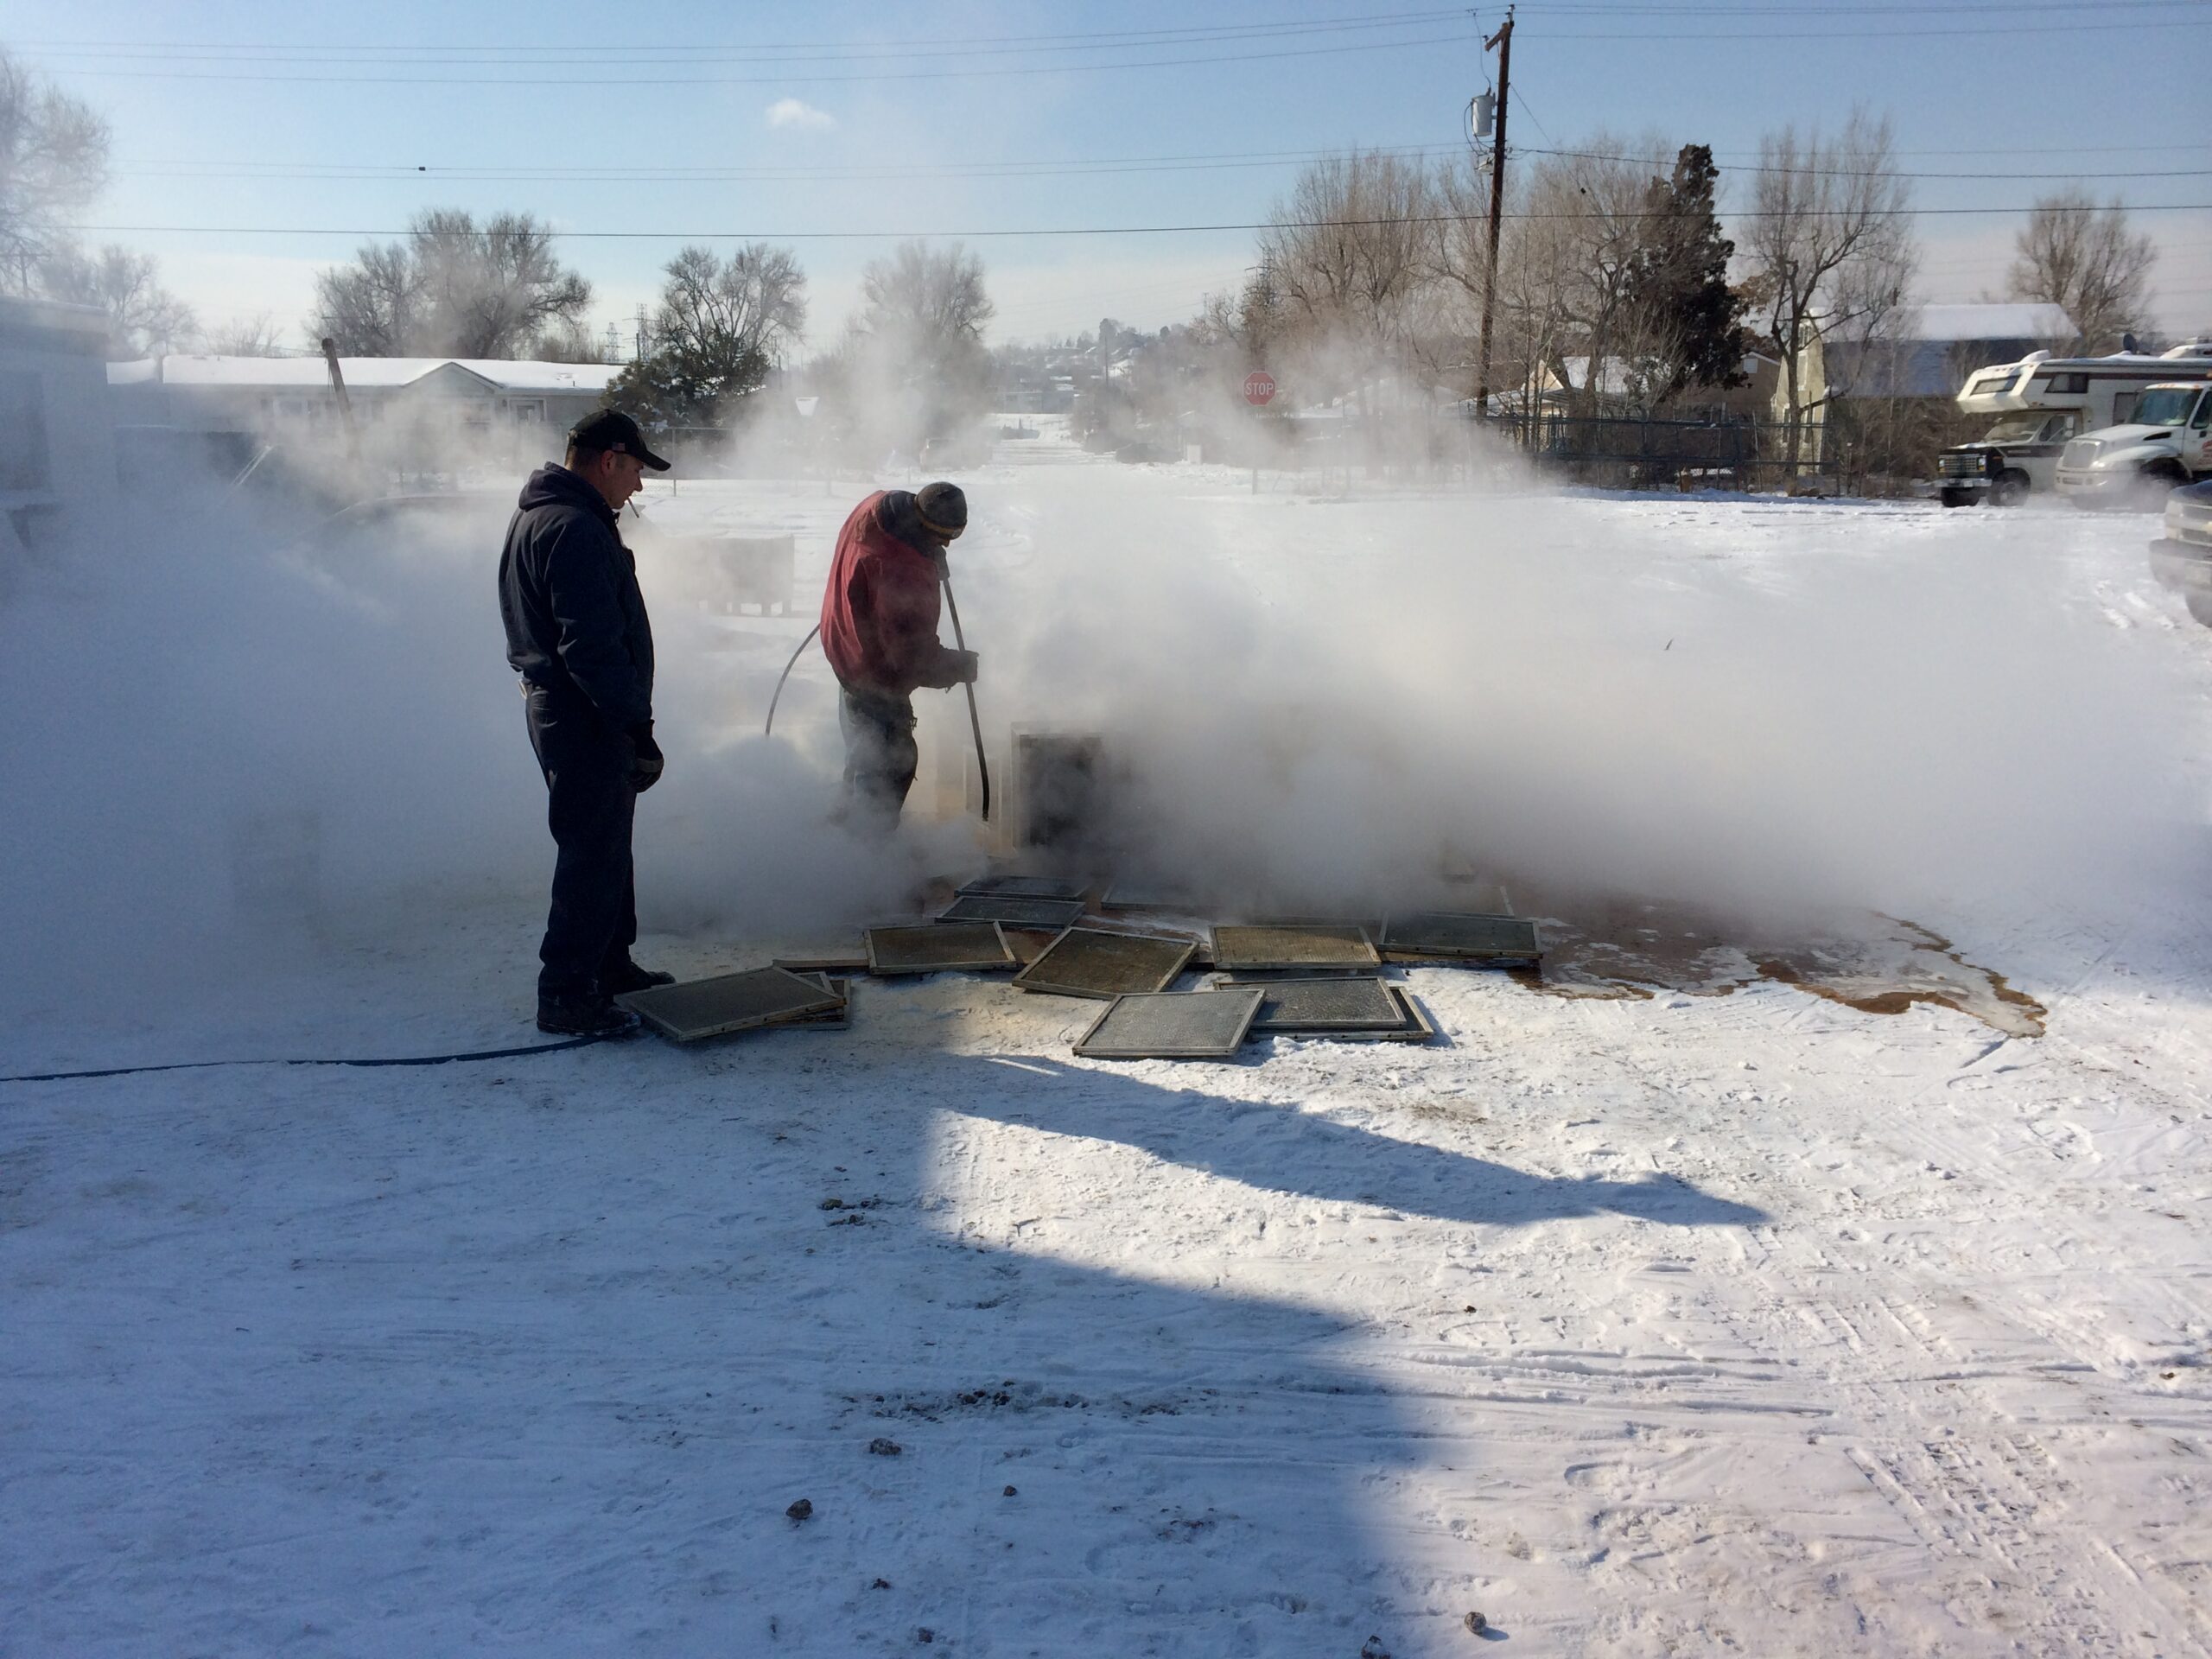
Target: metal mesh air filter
(1299,945)
(1029,886)
(1363,1004)
(840,961)
(710,1008)
(938,948)
(1171,1025)
(836,1019)
(1416,1028)
(1446,935)
(1092,962)
(1012,910)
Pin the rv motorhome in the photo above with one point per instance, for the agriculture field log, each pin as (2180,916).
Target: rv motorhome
(2042,403)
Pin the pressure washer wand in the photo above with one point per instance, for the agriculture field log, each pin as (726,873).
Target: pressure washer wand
(975,721)
(769,730)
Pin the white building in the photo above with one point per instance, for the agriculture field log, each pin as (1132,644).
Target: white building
(57,437)
(410,407)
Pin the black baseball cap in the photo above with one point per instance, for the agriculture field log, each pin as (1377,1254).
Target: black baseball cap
(610,428)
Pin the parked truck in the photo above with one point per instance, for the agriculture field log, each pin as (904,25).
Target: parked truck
(2183,558)
(2167,443)
(2043,404)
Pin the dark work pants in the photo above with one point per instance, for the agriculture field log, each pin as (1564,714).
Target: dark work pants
(879,757)
(590,807)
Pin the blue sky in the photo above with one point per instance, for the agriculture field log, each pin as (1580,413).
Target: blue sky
(321,122)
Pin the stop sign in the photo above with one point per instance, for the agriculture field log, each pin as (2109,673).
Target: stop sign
(1259,388)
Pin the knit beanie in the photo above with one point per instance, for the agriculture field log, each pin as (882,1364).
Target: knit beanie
(944,508)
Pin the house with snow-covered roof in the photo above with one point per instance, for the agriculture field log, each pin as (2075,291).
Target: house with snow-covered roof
(413,402)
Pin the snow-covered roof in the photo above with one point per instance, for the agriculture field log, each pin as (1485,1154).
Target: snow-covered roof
(529,376)
(54,313)
(282,373)
(1993,320)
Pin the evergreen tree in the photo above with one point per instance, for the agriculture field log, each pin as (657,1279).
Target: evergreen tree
(1692,320)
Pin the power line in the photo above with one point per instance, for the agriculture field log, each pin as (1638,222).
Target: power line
(597,53)
(938,233)
(532,78)
(601,53)
(371,174)
(1874,173)
(2005,31)
(533,81)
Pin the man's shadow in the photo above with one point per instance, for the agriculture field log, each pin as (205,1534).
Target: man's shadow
(1120,1455)
(810,1343)
(1279,1149)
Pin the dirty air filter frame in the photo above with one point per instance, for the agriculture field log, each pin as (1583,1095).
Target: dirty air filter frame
(1098,961)
(1418,1027)
(938,948)
(1450,936)
(1363,1003)
(729,1002)
(1029,886)
(1012,910)
(1171,1025)
(837,1019)
(1294,944)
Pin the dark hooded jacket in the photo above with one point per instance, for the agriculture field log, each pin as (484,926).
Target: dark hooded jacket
(568,594)
(880,610)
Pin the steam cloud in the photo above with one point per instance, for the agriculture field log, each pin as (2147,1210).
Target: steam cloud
(219,724)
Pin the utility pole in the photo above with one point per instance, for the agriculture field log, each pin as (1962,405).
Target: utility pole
(1503,42)
(345,404)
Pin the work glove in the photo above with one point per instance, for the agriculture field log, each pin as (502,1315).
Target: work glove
(645,768)
(963,668)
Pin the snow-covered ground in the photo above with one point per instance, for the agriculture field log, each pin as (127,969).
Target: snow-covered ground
(1670,1307)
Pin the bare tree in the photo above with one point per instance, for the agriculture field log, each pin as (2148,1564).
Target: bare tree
(488,291)
(752,303)
(930,298)
(1827,244)
(254,336)
(2083,259)
(721,327)
(454,288)
(371,307)
(919,338)
(569,342)
(143,317)
(52,163)
(1594,208)
(1350,262)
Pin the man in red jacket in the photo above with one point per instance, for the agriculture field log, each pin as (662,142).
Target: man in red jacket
(879,630)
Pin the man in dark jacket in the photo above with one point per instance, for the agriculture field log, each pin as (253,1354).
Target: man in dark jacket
(577,634)
(879,630)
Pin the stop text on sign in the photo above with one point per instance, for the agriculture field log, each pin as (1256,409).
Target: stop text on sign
(1259,388)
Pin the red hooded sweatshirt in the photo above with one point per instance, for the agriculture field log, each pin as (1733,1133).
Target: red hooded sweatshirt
(879,613)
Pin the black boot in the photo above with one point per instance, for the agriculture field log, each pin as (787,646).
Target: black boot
(584,1016)
(631,977)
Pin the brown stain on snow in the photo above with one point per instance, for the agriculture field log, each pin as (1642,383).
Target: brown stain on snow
(1624,951)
